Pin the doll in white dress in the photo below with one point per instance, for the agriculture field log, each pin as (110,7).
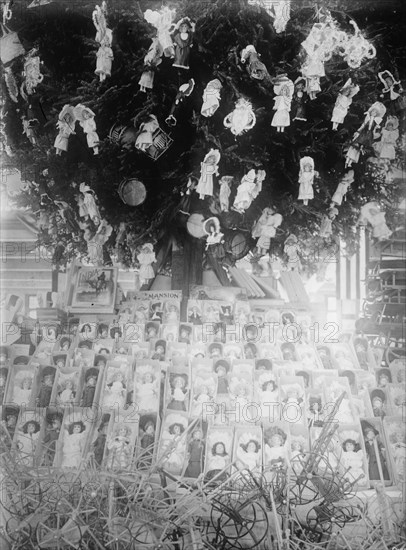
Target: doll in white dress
(147,397)
(343,102)
(27,442)
(203,397)
(353,458)
(306,179)
(249,456)
(225,192)
(90,207)
(146,258)
(22,392)
(146,132)
(265,229)
(313,70)
(67,395)
(283,89)
(372,214)
(73,445)
(152,60)
(119,449)
(211,98)
(208,168)
(88,124)
(385,148)
(245,192)
(173,448)
(268,396)
(104,56)
(276,456)
(291,249)
(66,127)
(342,187)
(179,393)
(115,392)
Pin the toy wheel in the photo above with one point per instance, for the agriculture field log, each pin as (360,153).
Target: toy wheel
(311,475)
(58,532)
(19,532)
(21,498)
(118,536)
(143,534)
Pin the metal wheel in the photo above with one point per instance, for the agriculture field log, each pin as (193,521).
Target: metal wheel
(311,476)
(21,497)
(58,532)
(323,517)
(117,535)
(19,532)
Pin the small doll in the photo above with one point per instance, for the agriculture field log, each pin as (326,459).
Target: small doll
(29,129)
(225,191)
(255,68)
(91,210)
(375,453)
(392,88)
(3,380)
(160,350)
(249,456)
(44,395)
(27,442)
(250,351)
(203,396)
(385,148)
(73,445)
(378,401)
(293,394)
(217,461)
(119,456)
(66,127)
(241,119)
(151,331)
(182,37)
(100,441)
(215,350)
(384,377)
(291,249)
(147,397)
(156,312)
(179,393)
(21,394)
(215,238)
(274,449)
(195,455)
(185,90)
(314,415)
(344,413)
(11,421)
(172,314)
(221,367)
(265,229)
(87,122)
(174,448)
(194,316)
(116,392)
(366,133)
(211,98)
(312,71)
(104,56)
(147,444)
(263,364)
(361,350)
(184,334)
(146,258)
(288,351)
(371,213)
(151,61)
(343,102)
(248,190)
(162,21)
(67,395)
(50,439)
(64,344)
(353,459)
(147,130)
(283,89)
(208,168)
(306,179)
(342,188)
(399,453)
(299,100)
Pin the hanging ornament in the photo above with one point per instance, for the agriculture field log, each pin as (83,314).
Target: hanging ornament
(371,213)
(11,84)
(357,48)
(151,139)
(182,36)
(211,98)
(391,88)
(225,191)
(151,62)
(283,88)
(31,74)
(342,188)
(343,102)
(241,119)
(306,179)
(10,45)
(85,116)
(299,100)
(215,238)
(366,133)
(248,190)
(208,168)
(313,70)
(132,192)
(326,227)
(185,90)
(104,37)
(256,69)
(87,204)
(385,148)
(162,20)
(146,258)
(66,126)
(265,229)
(29,128)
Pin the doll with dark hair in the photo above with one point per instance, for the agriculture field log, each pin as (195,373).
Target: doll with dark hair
(44,395)
(288,351)
(65,343)
(195,454)
(90,388)
(27,441)
(184,334)
(50,439)
(263,364)
(100,441)
(375,452)
(102,331)
(305,375)
(249,455)
(378,401)
(73,445)
(250,351)
(217,461)
(179,393)
(315,412)
(147,444)
(221,368)
(160,349)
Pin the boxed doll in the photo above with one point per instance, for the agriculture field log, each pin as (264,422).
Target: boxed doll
(27,437)
(172,443)
(72,444)
(121,437)
(147,386)
(204,391)
(218,454)
(177,389)
(147,440)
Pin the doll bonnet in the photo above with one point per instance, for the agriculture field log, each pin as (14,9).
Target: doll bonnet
(387,74)
(306,161)
(281,82)
(392,120)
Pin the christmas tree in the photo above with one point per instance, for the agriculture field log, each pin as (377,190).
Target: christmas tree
(64,37)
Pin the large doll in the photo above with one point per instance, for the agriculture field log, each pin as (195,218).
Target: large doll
(352,459)
(104,56)
(208,168)
(283,90)
(248,190)
(182,37)
(306,179)
(195,454)
(146,258)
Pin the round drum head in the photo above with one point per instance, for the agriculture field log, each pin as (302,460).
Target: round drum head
(194,225)
(132,192)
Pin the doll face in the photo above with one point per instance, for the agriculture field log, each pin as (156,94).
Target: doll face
(219,449)
(399,437)
(77,429)
(148,377)
(65,346)
(251,447)
(197,435)
(101,363)
(56,424)
(31,428)
(377,403)
(349,446)
(315,406)
(370,435)
(69,384)
(184,28)
(183,333)
(293,393)
(60,363)
(150,429)
(221,371)
(151,332)
(242,392)
(160,349)
(285,91)
(204,390)
(374,113)
(118,377)
(176,429)
(11,421)
(307,168)
(48,380)
(296,446)
(178,382)
(91,381)
(276,441)
(388,81)
(270,386)
(26,384)
(383,380)
(122,432)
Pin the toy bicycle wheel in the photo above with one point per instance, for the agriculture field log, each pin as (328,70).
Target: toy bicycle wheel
(322,518)
(311,474)
(57,532)
(19,532)
(117,535)
(21,498)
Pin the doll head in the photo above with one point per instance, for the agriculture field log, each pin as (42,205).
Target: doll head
(11,419)
(269,385)
(252,446)
(349,445)
(296,445)
(264,364)
(104,351)
(26,383)
(176,428)
(122,431)
(215,350)
(288,351)
(118,377)
(76,427)
(147,378)
(370,433)
(204,390)
(250,351)
(149,428)
(221,368)
(197,435)
(276,440)
(100,361)
(31,427)
(91,377)
(65,343)
(178,382)
(102,330)
(384,378)
(56,423)
(60,361)
(219,449)
(48,380)
(69,385)
(85,345)
(315,404)
(160,346)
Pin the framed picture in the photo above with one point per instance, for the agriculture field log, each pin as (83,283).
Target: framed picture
(93,289)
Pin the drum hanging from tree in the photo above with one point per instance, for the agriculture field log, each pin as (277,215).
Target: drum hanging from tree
(132,192)
(194,225)
(123,135)
(237,244)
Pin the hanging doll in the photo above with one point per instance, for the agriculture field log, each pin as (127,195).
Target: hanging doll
(353,459)
(299,100)
(89,206)
(241,119)
(208,168)
(306,179)
(66,127)
(313,70)
(29,129)
(87,122)
(342,188)
(211,98)
(265,229)
(385,148)
(195,455)
(119,455)
(146,258)
(392,90)
(179,393)
(291,249)
(366,133)
(255,68)
(151,61)
(225,191)
(162,21)
(104,56)
(73,445)
(375,453)
(343,102)
(182,37)
(326,226)
(283,89)
(370,213)
(146,131)
(184,91)
(215,237)
(248,190)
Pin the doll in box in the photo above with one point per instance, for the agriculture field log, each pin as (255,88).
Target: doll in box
(179,393)
(64,344)
(116,390)
(195,454)
(325,357)
(344,413)
(147,445)
(250,351)
(147,393)
(102,331)
(249,455)
(160,350)
(293,393)
(173,447)
(73,445)
(217,461)
(194,316)
(67,395)
(90,387)
(314,415)
(3,380)
(119,455)
(298,451)
(378,401)
(184,334)
(50,439)
(274,449)
(22,390)
(204,391)
(398,440)
(353,459)
(375,452)
(221,367)
(27,441)
(44,395)
(100,441)
(384,377)
(11,421)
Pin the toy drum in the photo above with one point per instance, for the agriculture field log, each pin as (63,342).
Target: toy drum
(132,192)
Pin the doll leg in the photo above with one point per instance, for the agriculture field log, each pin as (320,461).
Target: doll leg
(95,150)
(305,201)
(335,125)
